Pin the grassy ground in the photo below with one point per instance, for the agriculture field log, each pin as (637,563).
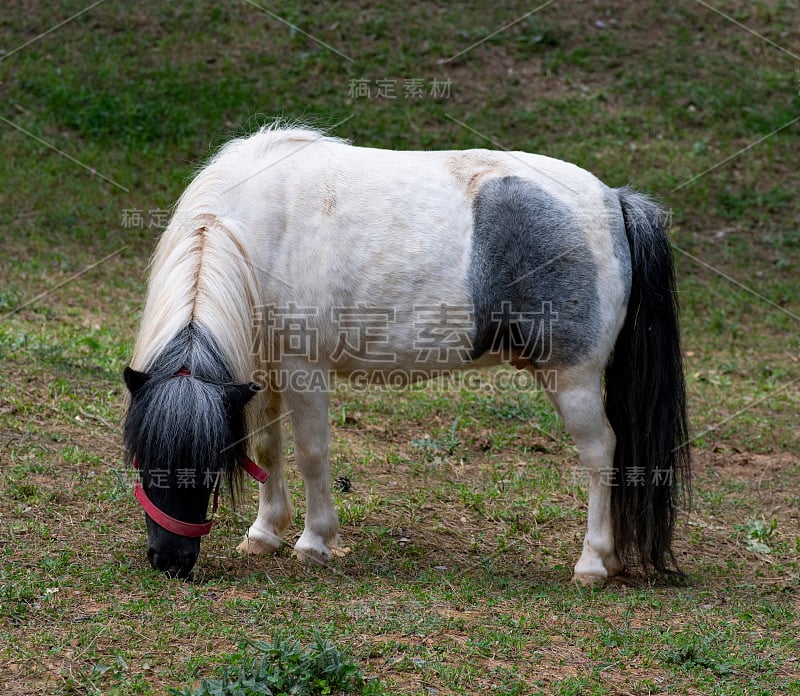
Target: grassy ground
(466,511)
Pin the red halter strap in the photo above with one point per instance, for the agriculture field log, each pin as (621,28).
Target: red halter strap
(253,469)
(161,518)
(171,524)
(189,529)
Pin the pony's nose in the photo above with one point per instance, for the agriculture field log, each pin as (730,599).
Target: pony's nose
(174,565)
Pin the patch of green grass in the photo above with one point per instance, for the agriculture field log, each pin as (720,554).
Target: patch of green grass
(133,113)
(283,667)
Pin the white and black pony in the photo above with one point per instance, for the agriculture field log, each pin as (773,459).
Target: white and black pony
(293,257)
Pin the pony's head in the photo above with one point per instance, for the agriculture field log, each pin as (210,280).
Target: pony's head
(185,432)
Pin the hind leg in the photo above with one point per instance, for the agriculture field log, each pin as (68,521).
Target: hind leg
(309,413)
(274,505)
(579,400)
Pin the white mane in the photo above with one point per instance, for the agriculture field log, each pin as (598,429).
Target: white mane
(201,271)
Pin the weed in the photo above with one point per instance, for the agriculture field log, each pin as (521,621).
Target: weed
(444,445)
(757,533)
(699,652)
(283,667)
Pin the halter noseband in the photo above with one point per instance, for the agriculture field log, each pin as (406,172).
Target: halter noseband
(189,529)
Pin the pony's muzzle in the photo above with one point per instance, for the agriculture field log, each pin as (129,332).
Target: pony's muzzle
(173,563)
(172,554)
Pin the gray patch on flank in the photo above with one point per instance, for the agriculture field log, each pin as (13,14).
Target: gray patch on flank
(532,276)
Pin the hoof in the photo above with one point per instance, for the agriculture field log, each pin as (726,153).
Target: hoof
(592,570)
(252,546)
(313,556)
(311,549)
(589,580)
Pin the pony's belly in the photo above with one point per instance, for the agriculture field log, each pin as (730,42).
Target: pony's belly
(412,366)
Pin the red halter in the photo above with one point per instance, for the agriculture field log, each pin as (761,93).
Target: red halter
(189,529)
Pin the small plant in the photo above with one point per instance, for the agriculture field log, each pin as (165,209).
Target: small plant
(446,444)
(284,667)
(451,441)
(10,299)
(692,652)
(757,534)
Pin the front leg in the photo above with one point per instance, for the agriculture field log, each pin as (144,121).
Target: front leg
(274,504)
(309,413)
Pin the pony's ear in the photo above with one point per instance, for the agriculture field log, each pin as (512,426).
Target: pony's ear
(237,395)
(134,379)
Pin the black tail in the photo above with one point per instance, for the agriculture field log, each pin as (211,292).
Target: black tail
(646,397)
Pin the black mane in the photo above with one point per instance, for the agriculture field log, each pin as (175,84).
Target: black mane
(187,429)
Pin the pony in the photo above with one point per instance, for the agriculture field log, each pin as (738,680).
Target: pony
(294,257)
